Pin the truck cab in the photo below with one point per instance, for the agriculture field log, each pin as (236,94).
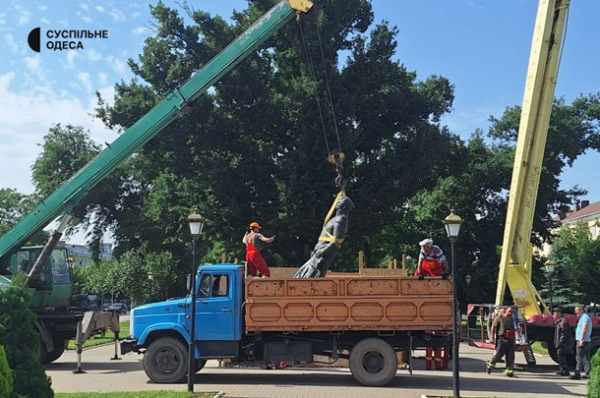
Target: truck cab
(165,326)
(54,283)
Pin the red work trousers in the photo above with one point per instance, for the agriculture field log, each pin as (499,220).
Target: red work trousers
(430,268)
(256,264)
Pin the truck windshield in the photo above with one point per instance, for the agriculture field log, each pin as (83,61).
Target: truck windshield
(56,267)
(60,267)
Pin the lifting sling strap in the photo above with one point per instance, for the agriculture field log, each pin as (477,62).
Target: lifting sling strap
(330,238)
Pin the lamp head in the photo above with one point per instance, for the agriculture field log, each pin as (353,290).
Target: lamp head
(196,223)
(453,223)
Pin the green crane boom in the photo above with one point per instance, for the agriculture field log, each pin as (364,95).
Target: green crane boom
(76,188)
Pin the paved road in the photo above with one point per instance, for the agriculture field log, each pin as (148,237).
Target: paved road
(128,375)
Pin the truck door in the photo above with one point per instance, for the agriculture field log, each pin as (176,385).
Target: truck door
(215,312)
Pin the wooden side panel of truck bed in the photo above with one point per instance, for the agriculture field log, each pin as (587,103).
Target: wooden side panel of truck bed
(348,303)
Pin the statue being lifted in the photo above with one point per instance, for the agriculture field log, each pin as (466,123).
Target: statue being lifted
(329,243)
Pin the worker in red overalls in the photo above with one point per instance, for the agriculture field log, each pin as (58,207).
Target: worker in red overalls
(432,262)
(254,242)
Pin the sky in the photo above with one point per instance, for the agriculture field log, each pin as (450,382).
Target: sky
(481,46)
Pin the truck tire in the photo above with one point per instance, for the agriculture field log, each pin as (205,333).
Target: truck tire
(165,360)
(59,349)
(47,357)
(373,362)
(571,361)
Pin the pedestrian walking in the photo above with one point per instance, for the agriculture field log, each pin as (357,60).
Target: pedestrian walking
(504,333)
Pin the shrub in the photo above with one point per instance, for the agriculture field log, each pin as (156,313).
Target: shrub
(22,343)
(6,379)
(594,382)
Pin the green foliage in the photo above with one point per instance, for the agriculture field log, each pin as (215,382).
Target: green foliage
(578,259)
(67,149)
(594,381)
(6,378)
(13,207)
(22,343)
(117,278)
(138,275)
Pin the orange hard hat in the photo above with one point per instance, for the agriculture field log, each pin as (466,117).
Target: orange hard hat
(254,225)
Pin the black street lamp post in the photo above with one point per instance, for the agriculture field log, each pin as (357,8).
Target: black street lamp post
(468,280)
(550,268)
(453,223)
(196,223)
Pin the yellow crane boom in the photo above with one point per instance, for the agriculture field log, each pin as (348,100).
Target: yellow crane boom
(515,263)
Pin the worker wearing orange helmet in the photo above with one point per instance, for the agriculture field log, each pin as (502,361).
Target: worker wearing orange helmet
(254,242)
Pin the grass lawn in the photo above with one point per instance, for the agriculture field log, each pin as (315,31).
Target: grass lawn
(538,349)
(138,394)
(109,337)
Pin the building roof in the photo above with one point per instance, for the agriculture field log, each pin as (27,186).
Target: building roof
(588,212)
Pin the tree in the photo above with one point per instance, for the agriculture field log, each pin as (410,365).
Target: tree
(6,378)
(13,207)
(260,131)
(578,257)
(22,342)
(66,150)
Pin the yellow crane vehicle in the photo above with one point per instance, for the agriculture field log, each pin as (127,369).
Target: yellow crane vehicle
(516,259)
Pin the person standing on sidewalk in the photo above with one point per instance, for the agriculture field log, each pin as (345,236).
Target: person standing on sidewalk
(583,336)
(563,341)
(504,334)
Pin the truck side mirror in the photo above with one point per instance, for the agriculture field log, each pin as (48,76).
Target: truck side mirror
(188,282)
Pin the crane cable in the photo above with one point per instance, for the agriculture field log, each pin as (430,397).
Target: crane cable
(336,156)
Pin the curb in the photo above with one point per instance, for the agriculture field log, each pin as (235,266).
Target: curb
(219,394)
(91,347)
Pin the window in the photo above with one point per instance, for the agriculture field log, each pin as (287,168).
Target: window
(594,231)
(204,286)
(221,286)
(60,267)
(214,286)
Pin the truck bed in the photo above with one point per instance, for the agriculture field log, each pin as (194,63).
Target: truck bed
(348,303)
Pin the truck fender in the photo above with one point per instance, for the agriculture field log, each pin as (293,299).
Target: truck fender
(45,334)
(158,327)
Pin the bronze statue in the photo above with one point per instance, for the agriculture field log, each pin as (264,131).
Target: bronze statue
(329,243)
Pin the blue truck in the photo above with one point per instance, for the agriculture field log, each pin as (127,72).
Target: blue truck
(373,322)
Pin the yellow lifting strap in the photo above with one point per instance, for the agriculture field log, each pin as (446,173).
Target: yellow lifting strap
(329,237)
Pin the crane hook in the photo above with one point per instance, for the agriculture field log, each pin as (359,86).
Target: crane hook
(336,158)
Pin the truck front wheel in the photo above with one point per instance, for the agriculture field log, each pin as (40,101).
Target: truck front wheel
(373,362)
(165,360)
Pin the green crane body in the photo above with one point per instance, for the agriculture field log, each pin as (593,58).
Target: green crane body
(50,292)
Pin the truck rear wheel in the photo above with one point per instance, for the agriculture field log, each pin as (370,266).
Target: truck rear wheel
(165,360)
(373,362)
(571,361)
